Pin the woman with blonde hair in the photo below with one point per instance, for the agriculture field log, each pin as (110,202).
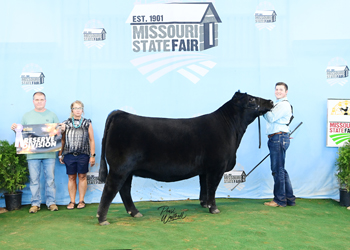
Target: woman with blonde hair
(78,150)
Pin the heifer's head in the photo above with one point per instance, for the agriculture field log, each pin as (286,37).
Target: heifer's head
(251,107)
(257,105)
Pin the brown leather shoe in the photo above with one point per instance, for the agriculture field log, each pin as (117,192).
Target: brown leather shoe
(271,204)
(3,210)
(34,209)
(53,207)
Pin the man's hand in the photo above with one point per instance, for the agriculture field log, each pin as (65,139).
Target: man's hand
(14,126)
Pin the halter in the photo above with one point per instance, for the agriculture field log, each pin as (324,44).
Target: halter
(255,108)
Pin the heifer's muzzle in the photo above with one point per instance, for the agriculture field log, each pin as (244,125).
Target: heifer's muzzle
(266,109)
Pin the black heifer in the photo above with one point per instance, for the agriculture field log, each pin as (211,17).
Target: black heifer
(174,149)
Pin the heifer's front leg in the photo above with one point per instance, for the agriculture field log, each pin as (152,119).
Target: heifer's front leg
(110,190)
(213,181)
(203,197)
(127,200)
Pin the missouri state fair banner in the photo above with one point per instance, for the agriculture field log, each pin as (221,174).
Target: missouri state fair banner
(38,138)
(338,124)
(182,59)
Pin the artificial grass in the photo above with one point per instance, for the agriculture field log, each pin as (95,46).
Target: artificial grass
(242,224)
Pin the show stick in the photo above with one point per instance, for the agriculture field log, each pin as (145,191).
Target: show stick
(266,157)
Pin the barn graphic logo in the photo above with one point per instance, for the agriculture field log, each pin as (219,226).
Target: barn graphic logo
(234,178)
(175,34)
(32,78)
(265,16)
(94,34)
(337,71)
(93,182)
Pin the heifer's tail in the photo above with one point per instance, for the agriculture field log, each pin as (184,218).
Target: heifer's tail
(103,166)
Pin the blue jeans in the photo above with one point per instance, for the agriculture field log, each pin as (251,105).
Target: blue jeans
(34,167)
(282,191)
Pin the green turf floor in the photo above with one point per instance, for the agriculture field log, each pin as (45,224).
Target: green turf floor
(242,224)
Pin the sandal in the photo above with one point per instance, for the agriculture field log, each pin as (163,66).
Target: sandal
(81,203)
(69,207)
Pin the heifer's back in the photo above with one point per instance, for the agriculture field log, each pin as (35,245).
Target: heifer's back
(167,149)
(177,149)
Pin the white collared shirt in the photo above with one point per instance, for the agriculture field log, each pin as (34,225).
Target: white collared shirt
(278,118)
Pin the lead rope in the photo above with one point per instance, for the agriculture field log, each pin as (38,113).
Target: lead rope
(259,132)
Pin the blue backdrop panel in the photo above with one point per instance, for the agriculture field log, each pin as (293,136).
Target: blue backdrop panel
(101,69)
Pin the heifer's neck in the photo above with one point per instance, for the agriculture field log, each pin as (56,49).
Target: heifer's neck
(237,118)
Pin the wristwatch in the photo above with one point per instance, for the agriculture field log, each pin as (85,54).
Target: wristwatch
(93,155)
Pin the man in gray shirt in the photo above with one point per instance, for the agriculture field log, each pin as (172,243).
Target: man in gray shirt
(41,115)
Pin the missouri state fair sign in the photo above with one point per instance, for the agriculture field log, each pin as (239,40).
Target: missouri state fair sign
(174,27)
(338,124)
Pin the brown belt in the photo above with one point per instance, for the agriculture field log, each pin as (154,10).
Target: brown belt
(278,133)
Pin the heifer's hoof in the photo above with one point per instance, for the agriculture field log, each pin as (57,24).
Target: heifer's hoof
(138,215)
(203,204)
(214,211)
(105,223)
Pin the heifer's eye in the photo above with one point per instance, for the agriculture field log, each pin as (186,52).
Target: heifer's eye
(251,102)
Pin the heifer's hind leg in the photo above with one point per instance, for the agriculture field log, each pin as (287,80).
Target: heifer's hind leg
(125,193)
(203,196)
(110,190)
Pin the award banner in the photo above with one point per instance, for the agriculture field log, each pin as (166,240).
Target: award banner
(38,138)
(338,125)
